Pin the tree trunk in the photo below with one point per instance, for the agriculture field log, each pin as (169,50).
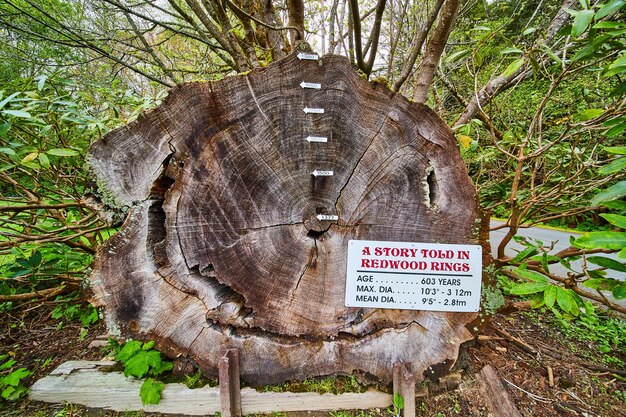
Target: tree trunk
(222,246)
(434,49)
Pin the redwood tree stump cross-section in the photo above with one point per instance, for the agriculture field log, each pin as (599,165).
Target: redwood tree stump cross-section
(223,248)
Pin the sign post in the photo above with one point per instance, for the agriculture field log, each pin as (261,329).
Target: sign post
(413,276)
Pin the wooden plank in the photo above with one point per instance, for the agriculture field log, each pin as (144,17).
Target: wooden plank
(74,384)
(495,394)
(68,367)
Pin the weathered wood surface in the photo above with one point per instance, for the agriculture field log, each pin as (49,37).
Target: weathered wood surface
(222,248)
(230,393)
(404,385)
(80,384)
(495,394)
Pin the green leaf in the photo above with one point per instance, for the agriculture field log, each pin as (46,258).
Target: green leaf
(549,296)
(614,192)
(150,391)
(615,220)
(619,291)
(457,56)
(537,301)
(581,22)
(42,82)
(17,113)
(511,51)
(30,157)
(613,71)
(614,166)
(36,258)
(566,301)
(513,67)
(622,254)
(529,288)
(608,25)
(602,240)
(609,8)
(128,351)
(7,392)
(620,150)
(137,366)
(551,54)
(529,251)
(15,377)
(62,152)
(605,284)
(588,114)
(7,151)
(607,263)
(529,31)
(615,205)
(619,62)
(531,275)
(398,401)
(8,364)
(43,160)
(148,346)
(6,100)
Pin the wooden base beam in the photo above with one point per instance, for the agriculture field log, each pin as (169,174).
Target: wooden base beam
(81,382)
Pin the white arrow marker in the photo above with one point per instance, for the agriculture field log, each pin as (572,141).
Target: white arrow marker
(310,85)
(322,139)
(313,110)
(328,217)
(317,173)
(308,57)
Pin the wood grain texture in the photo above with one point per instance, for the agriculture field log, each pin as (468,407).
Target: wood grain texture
(222,248)
(495,394)
(113,391)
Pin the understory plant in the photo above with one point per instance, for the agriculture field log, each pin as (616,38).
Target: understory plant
(11,387)
(141,360)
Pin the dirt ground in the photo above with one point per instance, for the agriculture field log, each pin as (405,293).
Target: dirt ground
(522,346)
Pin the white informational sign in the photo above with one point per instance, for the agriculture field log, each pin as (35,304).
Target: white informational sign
(413,276)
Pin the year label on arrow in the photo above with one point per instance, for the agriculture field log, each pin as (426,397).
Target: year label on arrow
(308,57)
(318,173)
(313,110)
(322,139)
(315,86)
(327,217)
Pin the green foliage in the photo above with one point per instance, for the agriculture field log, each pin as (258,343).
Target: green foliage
(607,334)
(150,391)
(49,230)
(87,315)
(398,403)
(141,360)
(11,387)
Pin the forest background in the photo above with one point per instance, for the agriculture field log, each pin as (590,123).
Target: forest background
(534,91)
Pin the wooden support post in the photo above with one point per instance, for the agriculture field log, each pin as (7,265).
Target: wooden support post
(230,394)
(404,385)
(495,394)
